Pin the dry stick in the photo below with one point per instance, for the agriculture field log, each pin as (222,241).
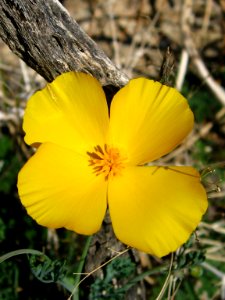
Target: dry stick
(217,227)
(190,46)
(43,34)
(166,283)
(206,19)
(26,78)
(109,11)
(217,195)
(214,270)
(190,142)
(215,257)
(96,269)
(182,70)
(132,47)
(11,116)
(221,114)
(219,274)
(135,52)
(209,242)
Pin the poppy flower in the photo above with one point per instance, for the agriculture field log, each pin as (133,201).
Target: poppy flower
(91,158)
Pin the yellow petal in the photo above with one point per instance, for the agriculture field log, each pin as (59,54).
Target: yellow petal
(155,209)
(71,112)
(148,120)
(59,189)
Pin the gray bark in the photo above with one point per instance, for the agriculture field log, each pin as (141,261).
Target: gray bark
(43,34)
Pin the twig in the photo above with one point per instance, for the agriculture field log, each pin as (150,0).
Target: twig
(166,283)
(214,270)
(188,144)
(26,78)
(206,19)
(190,46)
(218,274)
(93,271)
(135,52)
(11,116)
(109,11)
(182,70)
(217,227)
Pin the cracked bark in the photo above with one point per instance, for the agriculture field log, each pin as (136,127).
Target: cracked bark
(43,34)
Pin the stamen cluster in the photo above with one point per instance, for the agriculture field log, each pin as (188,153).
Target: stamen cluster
(106,160)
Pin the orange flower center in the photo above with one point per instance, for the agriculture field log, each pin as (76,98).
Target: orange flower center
(106,161)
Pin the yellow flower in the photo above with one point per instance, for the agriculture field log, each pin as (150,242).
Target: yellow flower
(87,162)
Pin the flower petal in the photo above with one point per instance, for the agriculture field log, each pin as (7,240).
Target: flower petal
(71,111)
(148,120)
(155,209)
(59,189)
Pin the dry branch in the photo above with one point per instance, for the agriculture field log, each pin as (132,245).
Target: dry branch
(42,33)
(191,48)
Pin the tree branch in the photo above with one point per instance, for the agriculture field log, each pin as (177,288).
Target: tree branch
(42,33)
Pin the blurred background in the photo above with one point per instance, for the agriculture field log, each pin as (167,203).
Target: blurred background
(181,43)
